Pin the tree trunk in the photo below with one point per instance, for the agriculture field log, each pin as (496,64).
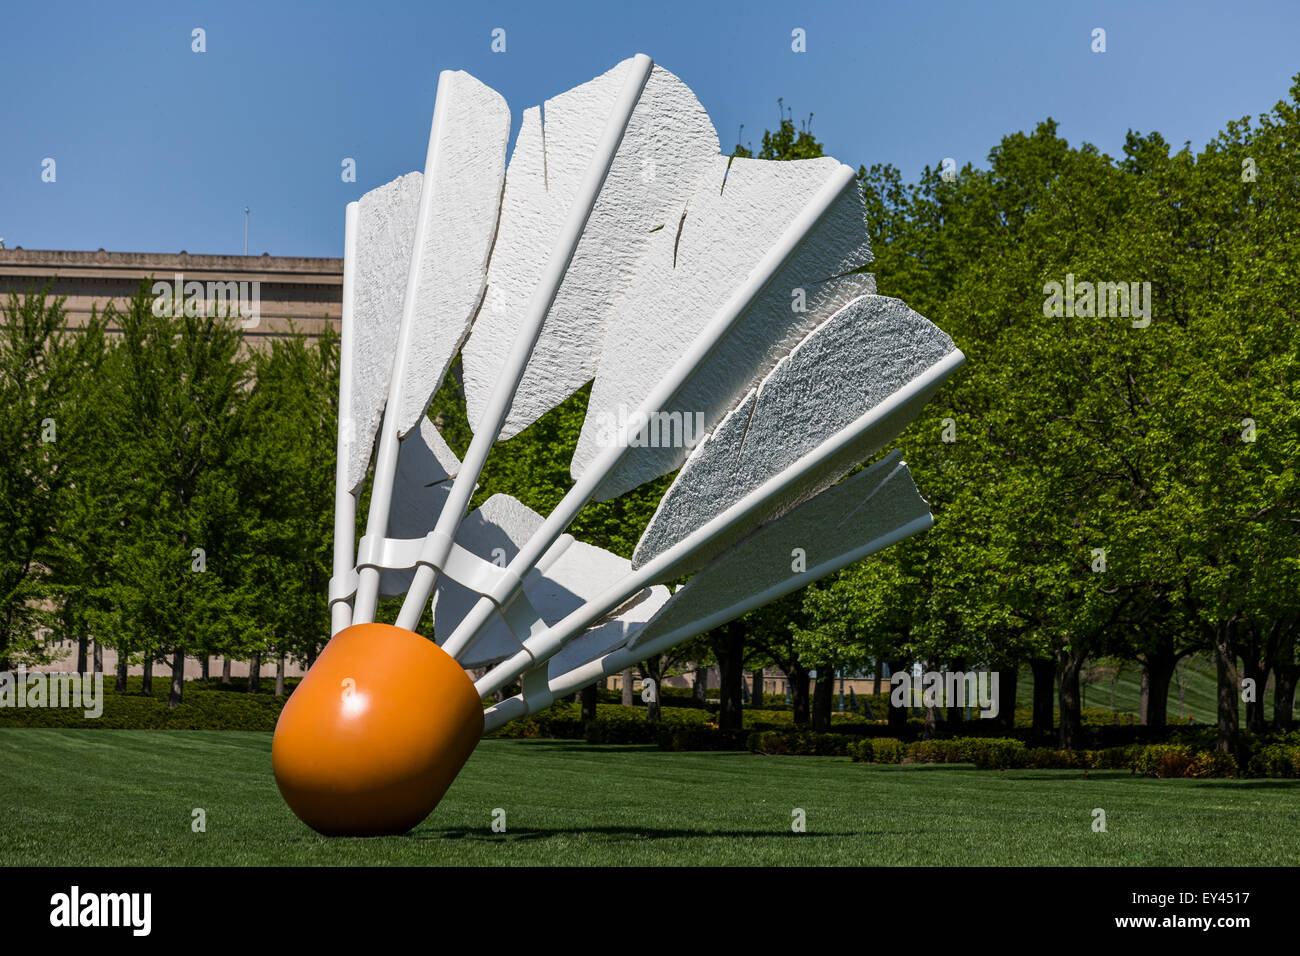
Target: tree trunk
(728,642)
(1044,671)
(756,696)
(955,715)
(146,681)
(1252,670)
(98,657)
(225,670)
(81,654)
(589,703)
(823,697)
(255,673)
(204,670)
(1225,659)
(897,715)
(797,680)
(652,670)
(1157,677)
(178,679)
(1007,679)
(700,686)
(1071,663)
(875,689)
(1284,695)
(119,683)
(627,688)
(279,675)
(931,722)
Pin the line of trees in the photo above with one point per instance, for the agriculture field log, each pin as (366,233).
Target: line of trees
(1119,486)
(166,491)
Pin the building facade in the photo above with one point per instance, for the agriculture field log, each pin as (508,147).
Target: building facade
(291,292)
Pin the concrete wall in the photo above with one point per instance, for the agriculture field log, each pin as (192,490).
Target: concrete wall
(306,292)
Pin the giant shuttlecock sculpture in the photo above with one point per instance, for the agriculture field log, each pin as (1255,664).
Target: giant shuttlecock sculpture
(702,294)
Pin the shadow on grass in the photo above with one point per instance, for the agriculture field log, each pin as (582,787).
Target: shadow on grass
(1235,784)
(578,746)
(566,746)
(631,833)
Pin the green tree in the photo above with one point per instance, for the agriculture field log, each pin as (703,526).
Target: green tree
(179,383)
(285,481)
(46,371)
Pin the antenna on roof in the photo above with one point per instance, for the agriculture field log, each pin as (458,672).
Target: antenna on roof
(245,230)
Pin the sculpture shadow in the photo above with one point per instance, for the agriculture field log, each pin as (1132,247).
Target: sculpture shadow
(639,834)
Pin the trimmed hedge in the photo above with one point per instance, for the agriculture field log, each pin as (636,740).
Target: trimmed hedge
(560,721)
(204,706)
(809,744)
(685,737)
(1153,760)
(1275,760)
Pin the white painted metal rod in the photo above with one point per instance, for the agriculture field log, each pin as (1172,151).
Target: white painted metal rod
(345,504)
(494,415)
(659,398)
(540,648)
(574,680)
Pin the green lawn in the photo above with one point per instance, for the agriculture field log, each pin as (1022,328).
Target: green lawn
(1104,685)
(126,797)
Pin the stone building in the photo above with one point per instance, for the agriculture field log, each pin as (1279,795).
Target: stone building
(291,291)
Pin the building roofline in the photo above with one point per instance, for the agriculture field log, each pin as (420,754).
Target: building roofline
(161,262)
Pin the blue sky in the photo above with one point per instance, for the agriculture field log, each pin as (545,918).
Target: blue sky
(158,148)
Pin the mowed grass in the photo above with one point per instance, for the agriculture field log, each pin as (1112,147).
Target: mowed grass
(74,797)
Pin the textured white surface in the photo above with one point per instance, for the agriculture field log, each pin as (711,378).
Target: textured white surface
(569,573)
(424,465)
(468,170)
(669,139)
(863,354)
(385,230)
(689,271)
(861,509)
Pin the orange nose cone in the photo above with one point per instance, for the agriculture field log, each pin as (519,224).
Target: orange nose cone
(374,735)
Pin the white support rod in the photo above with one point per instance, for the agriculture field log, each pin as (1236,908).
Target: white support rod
(381,495)
(540,648)
(489,426)
(659,398)
(345,504)
(624,657)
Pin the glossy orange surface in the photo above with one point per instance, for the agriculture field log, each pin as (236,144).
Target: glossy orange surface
(375,733)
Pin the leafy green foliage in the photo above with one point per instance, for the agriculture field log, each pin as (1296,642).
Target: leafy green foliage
(1169,444)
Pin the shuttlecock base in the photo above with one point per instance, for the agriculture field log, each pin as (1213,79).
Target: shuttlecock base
(376,732)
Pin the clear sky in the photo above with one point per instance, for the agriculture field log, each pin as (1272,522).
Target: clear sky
(158,148)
